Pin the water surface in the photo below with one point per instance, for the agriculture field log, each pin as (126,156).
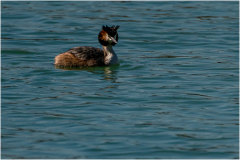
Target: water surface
(174,95)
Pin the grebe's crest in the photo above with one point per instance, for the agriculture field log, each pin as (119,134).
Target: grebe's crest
(108,35)
(112,31)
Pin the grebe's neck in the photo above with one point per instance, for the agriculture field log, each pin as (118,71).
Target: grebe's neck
(110,57)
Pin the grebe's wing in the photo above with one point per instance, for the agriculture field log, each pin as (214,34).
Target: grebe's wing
(87,52)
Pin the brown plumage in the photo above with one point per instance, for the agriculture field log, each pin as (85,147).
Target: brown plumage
(83,56)
(86,56)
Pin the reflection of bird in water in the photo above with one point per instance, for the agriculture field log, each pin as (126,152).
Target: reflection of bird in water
(110,74)
(86,56)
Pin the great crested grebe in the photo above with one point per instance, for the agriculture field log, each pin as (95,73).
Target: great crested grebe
(86,56)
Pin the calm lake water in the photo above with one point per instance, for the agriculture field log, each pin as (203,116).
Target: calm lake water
(175,93)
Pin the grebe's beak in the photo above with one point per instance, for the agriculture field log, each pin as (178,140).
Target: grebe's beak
(113,39)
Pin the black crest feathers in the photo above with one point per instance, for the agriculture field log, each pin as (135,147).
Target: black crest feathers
(112,31)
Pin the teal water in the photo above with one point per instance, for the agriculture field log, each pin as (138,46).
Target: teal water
(175,93)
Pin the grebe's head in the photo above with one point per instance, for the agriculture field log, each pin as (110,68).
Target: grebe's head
(108,35)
